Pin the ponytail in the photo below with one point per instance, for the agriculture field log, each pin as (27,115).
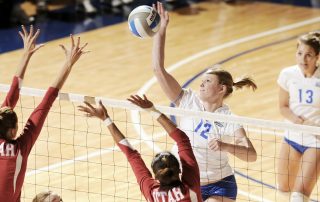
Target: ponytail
(225,78)
(245,81)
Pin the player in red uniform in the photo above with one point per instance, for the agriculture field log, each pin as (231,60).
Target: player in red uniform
(15,149)
(167,185)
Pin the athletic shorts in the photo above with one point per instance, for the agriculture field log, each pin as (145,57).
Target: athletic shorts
(226,187)
(299,148)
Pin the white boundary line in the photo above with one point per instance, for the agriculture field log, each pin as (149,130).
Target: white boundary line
(148,84)
(97,153)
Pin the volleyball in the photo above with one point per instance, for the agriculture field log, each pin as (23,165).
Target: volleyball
(144,21)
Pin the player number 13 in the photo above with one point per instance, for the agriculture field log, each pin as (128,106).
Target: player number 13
(306,96)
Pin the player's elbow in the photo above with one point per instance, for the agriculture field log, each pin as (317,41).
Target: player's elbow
(158,70)
(252,156)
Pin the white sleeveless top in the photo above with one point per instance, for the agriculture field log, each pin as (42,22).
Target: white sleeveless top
(304,101)
(213,165)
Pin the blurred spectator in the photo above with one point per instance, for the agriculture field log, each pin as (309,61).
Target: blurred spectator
(12,13)
(86,5)
(81,5)
(119,6)
(116,3)
(173,4)
(315,3)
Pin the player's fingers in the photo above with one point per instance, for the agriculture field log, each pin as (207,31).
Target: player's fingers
(72,40)
(21,34)
(63,48)
(83,109)
(78,42)
(24,30)
(89,105)
(35,35)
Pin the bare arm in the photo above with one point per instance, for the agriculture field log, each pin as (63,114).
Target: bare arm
(72,56)
(146,104)
(187,158)
(30,47)
(168,83)
(101,113)
(243,148)
(285,110)
(36,120)
(29,40)
(143,175)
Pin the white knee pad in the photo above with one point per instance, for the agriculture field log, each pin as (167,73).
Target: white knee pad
(298,197)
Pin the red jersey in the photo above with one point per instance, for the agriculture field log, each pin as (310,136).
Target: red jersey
(14,154)
(150,187)
(13,94)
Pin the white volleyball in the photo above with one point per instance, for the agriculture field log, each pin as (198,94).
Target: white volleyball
(144,21)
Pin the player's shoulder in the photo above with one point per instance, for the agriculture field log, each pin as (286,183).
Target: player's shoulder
(189,95)
(291,69)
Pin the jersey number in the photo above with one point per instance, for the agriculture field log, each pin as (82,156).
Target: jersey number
(203,128)
(306,96)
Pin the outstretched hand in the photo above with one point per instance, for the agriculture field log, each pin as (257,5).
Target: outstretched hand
(99,112)
(164,16)
(29,40)
(75,51)
(143,103)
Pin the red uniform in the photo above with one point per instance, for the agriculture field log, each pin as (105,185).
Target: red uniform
(14,154)
(150,187)
(13,94)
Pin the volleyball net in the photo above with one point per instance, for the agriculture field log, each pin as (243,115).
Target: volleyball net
(76,156)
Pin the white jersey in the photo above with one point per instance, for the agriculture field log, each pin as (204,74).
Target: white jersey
(213,165)
(304,101)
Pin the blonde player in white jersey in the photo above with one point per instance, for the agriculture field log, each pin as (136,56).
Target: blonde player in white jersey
(207,138)
(299,102)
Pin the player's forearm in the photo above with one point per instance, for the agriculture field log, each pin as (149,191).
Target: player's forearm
(13,94)
(158,52)
(62,77)
(287,113)
(23,65)
(242,152)
(168,83)
(166,123)
(116,133)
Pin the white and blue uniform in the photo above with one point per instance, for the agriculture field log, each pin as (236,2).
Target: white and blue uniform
(213,165)
(304,101)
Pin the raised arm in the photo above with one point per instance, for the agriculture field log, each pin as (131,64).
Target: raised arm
(168,83)
(187,158)
(29,47)
(35,122)
(101,113)
(143,175)
(72,56)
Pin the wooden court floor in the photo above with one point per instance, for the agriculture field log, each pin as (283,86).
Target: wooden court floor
(249,38)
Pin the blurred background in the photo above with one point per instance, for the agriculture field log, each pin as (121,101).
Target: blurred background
(59,18)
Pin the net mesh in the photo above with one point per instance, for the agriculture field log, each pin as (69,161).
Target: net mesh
(76,157)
